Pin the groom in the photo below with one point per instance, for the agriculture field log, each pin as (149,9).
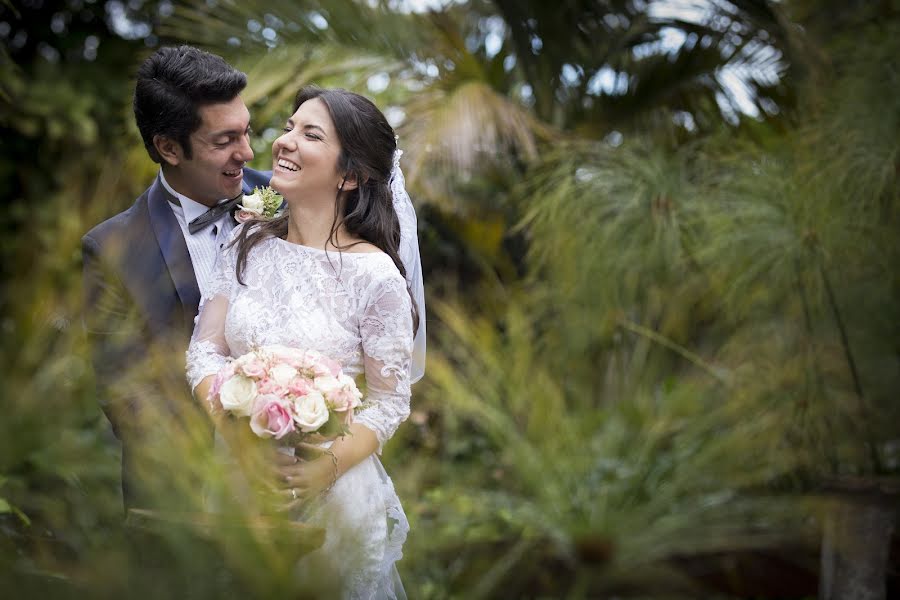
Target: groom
(146,268)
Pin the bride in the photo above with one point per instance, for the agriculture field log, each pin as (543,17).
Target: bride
(328,276)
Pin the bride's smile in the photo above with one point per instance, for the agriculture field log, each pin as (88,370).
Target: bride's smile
(306,156)
(283,163)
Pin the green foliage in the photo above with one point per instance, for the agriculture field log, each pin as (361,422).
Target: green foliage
(571,478)
(653,338)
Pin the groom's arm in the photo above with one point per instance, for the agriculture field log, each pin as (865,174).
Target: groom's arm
(115,333)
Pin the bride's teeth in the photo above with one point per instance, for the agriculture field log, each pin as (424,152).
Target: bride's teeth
(287,165)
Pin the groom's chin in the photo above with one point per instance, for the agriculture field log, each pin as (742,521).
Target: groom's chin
(233,185)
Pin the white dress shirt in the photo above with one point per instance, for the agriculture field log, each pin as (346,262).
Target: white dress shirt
(205,245)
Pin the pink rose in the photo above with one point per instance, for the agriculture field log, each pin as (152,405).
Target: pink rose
(242,216)
(224,374)
(309,360)
(342,400)
(333,366)
(350,389)
(299,386)
(324,366)
(270,387)
(341,392)
(271,418)
(254,368)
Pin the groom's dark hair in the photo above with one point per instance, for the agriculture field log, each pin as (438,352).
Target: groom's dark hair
(172,84)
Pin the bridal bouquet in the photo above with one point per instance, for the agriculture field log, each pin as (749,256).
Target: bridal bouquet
(285,390)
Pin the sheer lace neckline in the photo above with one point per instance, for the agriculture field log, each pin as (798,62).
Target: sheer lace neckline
(288,244)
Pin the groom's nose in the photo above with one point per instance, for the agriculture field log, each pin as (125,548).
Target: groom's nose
(244,152)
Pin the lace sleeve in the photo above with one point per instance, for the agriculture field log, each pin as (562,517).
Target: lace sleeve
(224,278)
(387,340)
(208,351)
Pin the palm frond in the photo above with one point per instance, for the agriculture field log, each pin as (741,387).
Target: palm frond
(275,77)
(671,472)
(457,133)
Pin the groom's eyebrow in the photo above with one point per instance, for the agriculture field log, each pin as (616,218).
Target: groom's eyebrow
(230,132)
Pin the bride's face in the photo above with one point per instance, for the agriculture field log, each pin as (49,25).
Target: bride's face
(305,157)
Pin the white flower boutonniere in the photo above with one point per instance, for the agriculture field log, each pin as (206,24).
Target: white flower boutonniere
(263,205)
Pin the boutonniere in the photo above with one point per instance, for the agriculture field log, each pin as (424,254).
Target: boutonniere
(263,205)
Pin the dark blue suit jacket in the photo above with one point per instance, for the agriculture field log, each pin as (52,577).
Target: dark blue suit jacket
(141,297)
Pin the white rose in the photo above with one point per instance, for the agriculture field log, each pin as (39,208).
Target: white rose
(237,395)
(341,391)
(282,374)
(242,360)
(349,384)
(328,384)
(253,203)
(310,412)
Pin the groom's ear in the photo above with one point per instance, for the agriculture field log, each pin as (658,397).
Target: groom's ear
(168,149)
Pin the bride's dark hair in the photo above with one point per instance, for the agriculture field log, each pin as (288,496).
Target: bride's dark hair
(367,152)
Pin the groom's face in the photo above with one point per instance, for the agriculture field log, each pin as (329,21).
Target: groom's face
(219,150)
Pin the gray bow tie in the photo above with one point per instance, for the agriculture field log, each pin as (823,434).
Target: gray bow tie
(213,214)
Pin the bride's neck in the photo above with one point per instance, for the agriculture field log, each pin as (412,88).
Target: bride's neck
(311,226)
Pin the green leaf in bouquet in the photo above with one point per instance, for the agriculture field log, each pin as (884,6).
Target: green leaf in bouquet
(335,426)
(271,200)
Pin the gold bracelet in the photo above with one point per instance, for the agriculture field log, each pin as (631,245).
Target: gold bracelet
(217,414)
(334,462)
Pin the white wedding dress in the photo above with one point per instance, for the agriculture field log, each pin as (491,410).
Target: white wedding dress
(354,308)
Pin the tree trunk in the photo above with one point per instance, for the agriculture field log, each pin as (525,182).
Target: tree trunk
(855,548)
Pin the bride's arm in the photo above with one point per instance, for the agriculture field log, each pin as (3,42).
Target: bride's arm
(208,351)
(387,337)
(387,340)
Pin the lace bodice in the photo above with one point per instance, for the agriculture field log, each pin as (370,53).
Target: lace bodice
(352,306)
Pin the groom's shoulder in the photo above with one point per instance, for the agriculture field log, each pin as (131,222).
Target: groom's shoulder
(121,224)
(254,178)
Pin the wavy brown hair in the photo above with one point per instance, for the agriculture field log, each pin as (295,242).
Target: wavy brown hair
(367,152)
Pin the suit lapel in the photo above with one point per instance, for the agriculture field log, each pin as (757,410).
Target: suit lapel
(173,247)
(174,250)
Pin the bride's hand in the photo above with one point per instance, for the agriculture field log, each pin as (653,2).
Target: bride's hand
(302,479)
(254,458)
(301,439)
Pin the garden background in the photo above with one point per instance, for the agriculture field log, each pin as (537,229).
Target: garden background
(660,244)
